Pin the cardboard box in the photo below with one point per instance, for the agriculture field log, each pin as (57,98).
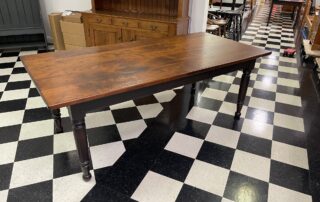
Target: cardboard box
(72,47)
(74,17)
(56,32)
(73,34)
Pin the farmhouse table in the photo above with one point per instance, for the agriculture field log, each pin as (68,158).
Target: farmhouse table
(92,78)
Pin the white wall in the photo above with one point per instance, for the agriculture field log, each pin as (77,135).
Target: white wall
(198,11)
(49,6)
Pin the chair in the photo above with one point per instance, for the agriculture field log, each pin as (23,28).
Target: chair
(216,23)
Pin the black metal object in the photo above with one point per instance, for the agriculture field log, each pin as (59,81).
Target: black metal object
(77,112)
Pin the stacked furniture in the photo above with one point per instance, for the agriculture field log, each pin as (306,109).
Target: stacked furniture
(21,24)
(116,21)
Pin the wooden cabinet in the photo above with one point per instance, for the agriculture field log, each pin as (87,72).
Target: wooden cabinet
(129,20)
(102,34)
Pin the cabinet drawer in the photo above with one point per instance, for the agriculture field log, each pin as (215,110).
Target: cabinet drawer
(99,20)
(154,26)
(124,22)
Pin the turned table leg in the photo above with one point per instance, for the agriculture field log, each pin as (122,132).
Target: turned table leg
(80,136)
(56,115)
(243,87)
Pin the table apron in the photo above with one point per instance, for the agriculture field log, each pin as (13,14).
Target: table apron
(83,108)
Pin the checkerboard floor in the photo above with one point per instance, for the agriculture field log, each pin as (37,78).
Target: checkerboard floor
(163,148)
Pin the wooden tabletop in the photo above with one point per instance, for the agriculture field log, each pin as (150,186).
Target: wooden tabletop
(71,77)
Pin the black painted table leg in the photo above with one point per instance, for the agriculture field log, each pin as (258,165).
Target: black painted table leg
(243,87)
(80,136)
(56,115)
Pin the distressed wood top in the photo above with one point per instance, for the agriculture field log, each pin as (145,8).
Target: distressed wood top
(71,77)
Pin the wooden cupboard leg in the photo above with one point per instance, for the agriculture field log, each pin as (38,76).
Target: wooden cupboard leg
(80,136)
(56,115)
(243,87)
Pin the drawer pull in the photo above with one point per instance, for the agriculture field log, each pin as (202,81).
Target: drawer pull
(154,28)
(125,24)
(98,20)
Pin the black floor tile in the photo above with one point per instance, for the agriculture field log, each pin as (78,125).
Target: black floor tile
(66,163)
(145,100)
(255,145)
(33,92)
(127,114)
(233,98)
(210,104)
(34,148)
(194,128)
(41,192)
(18,85)
(103,135)
(172,165)
(216,154)
(228,121)
(238,184)
(264,94)
(219,85)
(288,176)
(39,114)
(291,137)
(288,90)
(260,115)
(268,66)
(289,109)
(102,193)
(237,81)
(5,176)
(10,53)
(287,64)
(9,133)
(4,79)
(189,193)
(288,76)
(7,65)
(19,70)
(12,105)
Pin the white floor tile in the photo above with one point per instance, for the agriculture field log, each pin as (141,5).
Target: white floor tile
(184,144)
(63,142)
(265,86)
(165,96)
(231,108)
(132,129)
(107,154)
(71,188)
(268,72)
(123,105)
(214,94)
(289,70)
(8,152)
(157,188)
(257,128)
(287,121)
(208,177)
(289,154)
(3,195)
(11,118)
(202,115)
(262,104)
(224,79)
(288,82)
(251,165)
(235,89)
(19,77)
(36,129)
(150,110)
(28,53)
(288,59)
(280,194)
(98,119)
(223,136)
(32,171)
(35,102)
(5,71)
(288,99)
(8,59)
(15,94)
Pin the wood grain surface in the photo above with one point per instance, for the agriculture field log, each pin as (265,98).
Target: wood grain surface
(72,77)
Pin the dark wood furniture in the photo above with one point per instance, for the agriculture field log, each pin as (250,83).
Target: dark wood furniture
(295,3)
(115,21)
(21,24)
(92,78)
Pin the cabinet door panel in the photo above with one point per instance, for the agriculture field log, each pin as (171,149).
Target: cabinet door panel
(103,35)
